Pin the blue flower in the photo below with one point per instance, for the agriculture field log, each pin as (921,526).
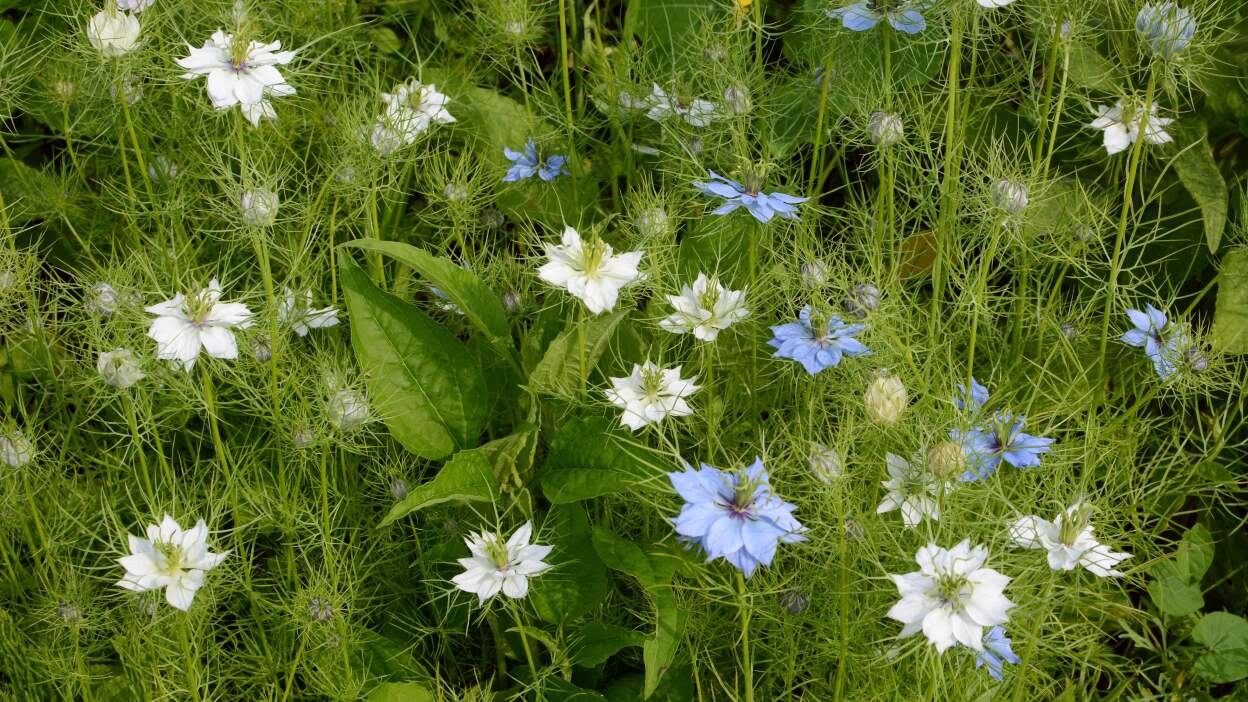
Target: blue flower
(978,396)
(762,205)
(734,515)
(799,342)
(526,165)
(1002,439)
(1165,344)
(996,653)
(861,16)
(1166,27)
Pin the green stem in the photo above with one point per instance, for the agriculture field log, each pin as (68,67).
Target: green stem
(747,664)
(948,205)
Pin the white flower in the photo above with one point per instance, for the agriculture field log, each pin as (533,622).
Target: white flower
(885,128)
(826,463)
(300,315)
(120,368)
(651,393)
(993,3)
(1010,196)
(101,300)
(1121,126)
(698,113)
(410,110)
(952,597)
(1069,541)
(705,309)
(113,33)
(15,449)
(259,207)
(885,399)
(912,488)
(495,565)
(185,325)
(170,558)
(134,5)
(237,75)
(348,409)
(589,271)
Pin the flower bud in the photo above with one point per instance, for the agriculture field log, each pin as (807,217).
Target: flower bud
(652,223)
(161,169)
(134,5)
(885,400)
(1010,196)
(259,207)
(456,192)
(303,438)
(15,449)
(737,98)
(512,302)
(262,349)
(320,609)
(68,612)
(863,299)
(101,300)
(854,530)
(492,218)
(398,488)
(348,409)
(814,273)
(794,600)
(946,459)
(113,33)
(826,463)
(119,368)
(131,90)
(1196,360)
(1166,27)
(1069,331)
(885,128)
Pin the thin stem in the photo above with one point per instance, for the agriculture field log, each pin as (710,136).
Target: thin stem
(747,664)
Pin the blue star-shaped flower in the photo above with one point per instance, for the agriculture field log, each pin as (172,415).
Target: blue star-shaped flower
(1164,344)
(763,206)
(1000,440)
(734,515)
(527,164)
(978,396)
(996,653)
(861,16)
(815,351)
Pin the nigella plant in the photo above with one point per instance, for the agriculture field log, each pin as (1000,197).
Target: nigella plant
(1165,343)
(1000,439)
(817,346)
(1166,27)
(526,164)
(996,653)
(903,15)
(974,399)
(734,515)
(762,206)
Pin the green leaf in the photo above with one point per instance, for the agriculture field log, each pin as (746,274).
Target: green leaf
(587,460)
(1200,175)
(577,581)
(559,371)
(1091,70)
(598,642)
(659,651)
(1226,635)
(400,692)
(1195,554)
(1230,317)
(422,381)
(668,29)
(1176,597)
(623,555)
(480,305)
(472,475)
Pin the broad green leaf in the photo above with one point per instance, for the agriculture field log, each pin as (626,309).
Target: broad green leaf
(479,304)
(577,581)
(1175,597)
(421,380)
(597,642)
(587,460)
(400,692)
(1200,175)
(559,371)
(1089,69)
(623,555)
(659,651)
(1230,317)
(1223,666)
(1195,554)
(668,30)
(472,475)
(1226,637)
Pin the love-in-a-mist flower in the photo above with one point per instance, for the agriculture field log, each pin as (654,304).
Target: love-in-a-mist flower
(885,128)
(589,270)
(825,463)
(16,450)
(347,409)
(170,558)
(816,350)
(119,368)
(258,207)
(240,74)
(650,394)
(527,164)
(301,316)
(705,309)
(1166,27)
(1069,541)
(102,300)
(1121,125)
(976,398)
(762,206)
(1010,196)
(734,515)
(410,110)
(697,112)
(911,488)
(903,15)
(134,5)
(952,597)
(999,439)
(1165,344)
(501,566)
(863,299)
(996,653)
(993,3)
(186,325)
(113,33)
(885,399)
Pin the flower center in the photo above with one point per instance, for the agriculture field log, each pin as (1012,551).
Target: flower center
(592,256)
(1073,524)
(709,299)
(496,549)
(172,556)
(951,590)
(651,382)
(198,307)
(239,54)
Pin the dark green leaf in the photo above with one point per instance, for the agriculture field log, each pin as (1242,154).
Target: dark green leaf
(559,371)
(1226,637)
(588,460)
(1195,554)
(597,642)
(623,555)
(1200,175)
(400,692)
(1175,597)
(577,582)
(1230,318)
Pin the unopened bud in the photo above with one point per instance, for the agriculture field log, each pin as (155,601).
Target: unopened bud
(885,128)
(885,400)
(259,207)
(825,463)
(119,368)
(946,459)
(794,600)
(863,299)
(1010,196)
(814,273)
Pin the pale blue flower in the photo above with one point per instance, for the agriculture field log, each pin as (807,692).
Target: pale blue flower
(978,396)
(1164,343)
(527,164)
(817,350)
(861,16)
(763,206)
(734,515)
(1166,27)
(996,653)
(1002,439)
